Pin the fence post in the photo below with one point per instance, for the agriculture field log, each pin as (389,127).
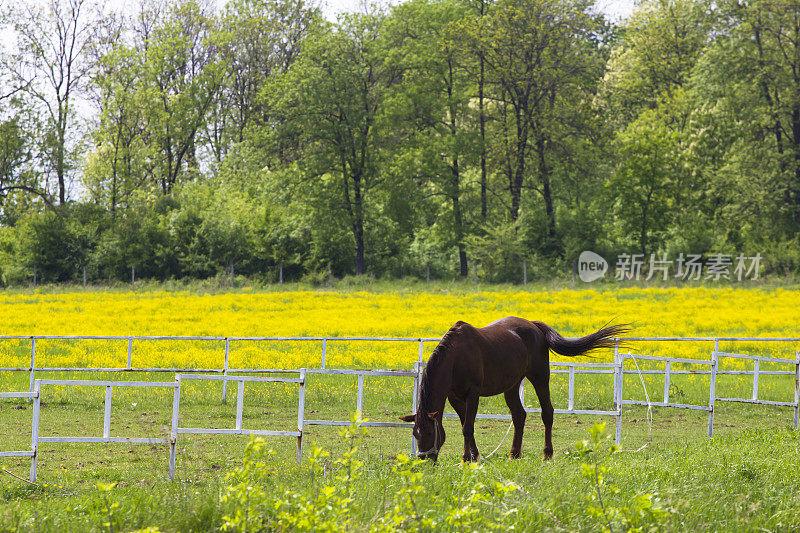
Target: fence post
(756,368)
(427,273)
(570,401)
(417,367)
(173,441)
(324,351)
(34,276)
(475,275)
(239,404)
(712,393)
(301,413)
(37,402)
(618,365)
(280,274)
(130,351)
(133,277)
(107,414)
(667,372)
(225,371)
(797,390)
(84,276)
(524,272)
(33,362)
(360,396)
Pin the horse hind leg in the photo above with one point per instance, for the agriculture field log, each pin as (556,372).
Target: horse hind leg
(518,416)
(542,387)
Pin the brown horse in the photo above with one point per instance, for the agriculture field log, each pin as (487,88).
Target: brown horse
(472,362)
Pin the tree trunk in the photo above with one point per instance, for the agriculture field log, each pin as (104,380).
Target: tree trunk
(519,170)
(482,116)
(60,166)
(544,176)
(795,188)
(458,220)
(358,224)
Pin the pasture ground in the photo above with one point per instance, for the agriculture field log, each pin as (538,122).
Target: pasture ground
(746,478)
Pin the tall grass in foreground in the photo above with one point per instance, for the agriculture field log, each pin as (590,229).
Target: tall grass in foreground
(741,481)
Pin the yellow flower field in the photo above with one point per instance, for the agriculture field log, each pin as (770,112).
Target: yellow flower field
(654,311)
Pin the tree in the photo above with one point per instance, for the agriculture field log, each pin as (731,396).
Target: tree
(432,105)
(746,84)
(649,178)
(328,103)
(15,158)
(123,157)
(656,184)
(259,39)
(535,59)
(182,76)
(52,63)
(661,43)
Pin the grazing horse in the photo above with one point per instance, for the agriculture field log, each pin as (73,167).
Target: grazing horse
(471,362)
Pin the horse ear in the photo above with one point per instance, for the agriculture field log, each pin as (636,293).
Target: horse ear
(408,418)
(433,414)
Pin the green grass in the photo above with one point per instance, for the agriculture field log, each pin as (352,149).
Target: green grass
(747,477)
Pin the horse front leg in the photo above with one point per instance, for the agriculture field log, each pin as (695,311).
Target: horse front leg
(468,429)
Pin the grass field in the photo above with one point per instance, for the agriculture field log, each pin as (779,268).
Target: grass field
(746,478)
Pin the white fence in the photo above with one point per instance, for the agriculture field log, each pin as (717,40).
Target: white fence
(238,430)
(36,438)
(616,370)
(35,423)
(713,372)
(223,369)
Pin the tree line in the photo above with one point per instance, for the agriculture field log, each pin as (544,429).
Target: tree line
(187,140)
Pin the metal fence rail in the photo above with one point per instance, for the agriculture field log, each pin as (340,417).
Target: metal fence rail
(239,430)
(360,397)
(222,369)
(106,438)
(713,374)
(225,374)
(572,369)
(19,453)
(757,360)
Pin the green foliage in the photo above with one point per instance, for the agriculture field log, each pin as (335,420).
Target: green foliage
(58,244)
(432,133)
(329,501)
(327,504)
(405,513)
(111,522)
(499,252)
(246,495)
(637,513)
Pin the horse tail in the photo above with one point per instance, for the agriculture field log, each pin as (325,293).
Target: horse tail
(603,338)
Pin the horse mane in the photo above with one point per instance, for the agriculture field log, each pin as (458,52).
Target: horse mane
(434,363)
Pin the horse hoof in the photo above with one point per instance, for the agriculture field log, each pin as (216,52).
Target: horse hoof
(548,454)
(516,454)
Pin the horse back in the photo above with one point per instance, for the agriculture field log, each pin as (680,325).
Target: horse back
(496,357)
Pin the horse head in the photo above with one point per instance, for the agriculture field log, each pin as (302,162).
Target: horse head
(429,432)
